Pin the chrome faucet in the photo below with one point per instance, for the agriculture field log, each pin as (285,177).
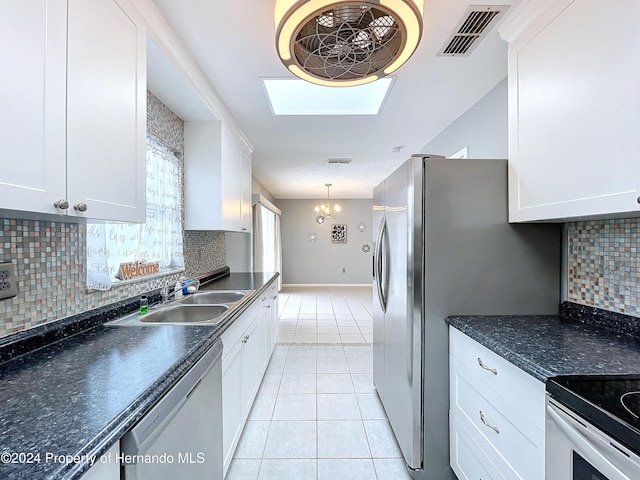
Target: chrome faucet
(165,295)
(192,287)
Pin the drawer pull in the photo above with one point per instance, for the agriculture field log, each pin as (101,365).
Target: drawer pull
(492,370)
(245,339)
(483,420)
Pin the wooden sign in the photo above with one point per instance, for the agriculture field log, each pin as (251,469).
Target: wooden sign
(137,269)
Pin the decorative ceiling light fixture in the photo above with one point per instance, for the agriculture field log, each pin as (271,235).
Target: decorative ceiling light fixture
(323,212)
(346,42)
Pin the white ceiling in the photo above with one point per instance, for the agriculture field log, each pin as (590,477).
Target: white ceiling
(232,42)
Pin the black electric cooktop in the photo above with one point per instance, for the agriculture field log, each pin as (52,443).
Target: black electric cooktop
(610,402)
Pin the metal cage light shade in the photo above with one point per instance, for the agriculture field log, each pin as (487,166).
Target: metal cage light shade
(324,212)
(346,42)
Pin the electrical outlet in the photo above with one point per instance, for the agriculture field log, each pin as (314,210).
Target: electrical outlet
(8,282)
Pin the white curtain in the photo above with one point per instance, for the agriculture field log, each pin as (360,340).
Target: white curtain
(157,240)
(267,248)
(278,251)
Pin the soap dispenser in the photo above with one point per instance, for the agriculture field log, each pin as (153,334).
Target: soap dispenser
(178,290)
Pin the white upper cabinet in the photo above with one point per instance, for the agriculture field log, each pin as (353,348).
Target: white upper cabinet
(574,109)
(33,60)
(231,183)
(217,179)
(106,109)
(74,105)
(245,193)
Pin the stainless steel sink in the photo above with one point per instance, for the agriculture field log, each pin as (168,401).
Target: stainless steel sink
(187,314)
(214,297)
(209,307)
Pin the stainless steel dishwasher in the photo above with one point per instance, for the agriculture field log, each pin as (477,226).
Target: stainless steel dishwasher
(181,437)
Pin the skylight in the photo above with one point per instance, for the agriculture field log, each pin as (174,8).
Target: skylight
(291,96)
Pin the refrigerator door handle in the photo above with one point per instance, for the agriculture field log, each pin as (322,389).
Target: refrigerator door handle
(384,264)
(379,264)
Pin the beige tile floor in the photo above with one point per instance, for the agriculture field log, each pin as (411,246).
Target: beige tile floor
(327,315)
(317,415)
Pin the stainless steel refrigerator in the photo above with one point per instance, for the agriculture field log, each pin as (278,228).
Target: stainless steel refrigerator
(444,247)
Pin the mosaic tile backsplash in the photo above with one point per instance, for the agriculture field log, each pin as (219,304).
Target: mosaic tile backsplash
(203,252)
(603,266)
(163,124)
(49,256)
(49,259)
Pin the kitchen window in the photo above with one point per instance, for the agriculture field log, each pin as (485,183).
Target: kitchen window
(159,239)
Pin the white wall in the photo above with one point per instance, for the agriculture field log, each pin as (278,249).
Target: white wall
(321,262)
(258,189)
(482,128)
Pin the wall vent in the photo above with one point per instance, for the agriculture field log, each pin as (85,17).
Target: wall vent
(339,160)
(475,24)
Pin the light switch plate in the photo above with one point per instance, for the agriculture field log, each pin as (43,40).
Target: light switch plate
(8,282)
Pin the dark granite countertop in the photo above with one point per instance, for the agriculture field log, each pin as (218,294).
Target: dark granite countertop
(550,345)
(240,281)
(80,394)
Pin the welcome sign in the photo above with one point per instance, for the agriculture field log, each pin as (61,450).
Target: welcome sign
(137,269)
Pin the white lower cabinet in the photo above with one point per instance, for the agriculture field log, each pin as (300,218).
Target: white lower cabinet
(496,415)
(467,458)
(232,407)
(244,361)
(270,303)
(107,470)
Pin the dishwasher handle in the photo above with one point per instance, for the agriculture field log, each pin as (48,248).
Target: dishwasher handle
(137,440)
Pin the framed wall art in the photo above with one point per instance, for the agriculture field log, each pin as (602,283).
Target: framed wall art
(338,233)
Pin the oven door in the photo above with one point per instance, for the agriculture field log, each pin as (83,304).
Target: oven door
(576,450)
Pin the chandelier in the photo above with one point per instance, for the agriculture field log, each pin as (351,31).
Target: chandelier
(324,212)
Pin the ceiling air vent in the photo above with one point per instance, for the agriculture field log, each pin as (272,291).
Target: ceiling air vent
(474,25)
(339,160)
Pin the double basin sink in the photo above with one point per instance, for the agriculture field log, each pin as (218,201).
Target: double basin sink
(201,308)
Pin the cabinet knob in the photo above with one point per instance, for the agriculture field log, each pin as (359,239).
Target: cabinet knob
(638,199)
(274,297)
(62,204)
(81,207)
(244,229)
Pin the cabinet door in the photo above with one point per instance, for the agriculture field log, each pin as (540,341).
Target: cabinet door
(253,361)
(574,147)
(274,318)
(232,406)
(270,304)
(32,62)
(245,193)
(106,110)
(202,175)
(231,183)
